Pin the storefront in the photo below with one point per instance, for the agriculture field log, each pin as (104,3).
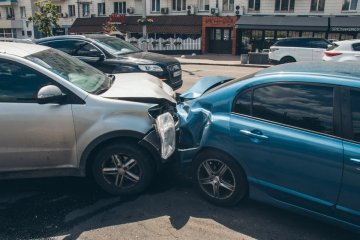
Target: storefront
(260,32)
(218,35)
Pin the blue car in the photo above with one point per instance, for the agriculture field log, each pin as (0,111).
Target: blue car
(288,135)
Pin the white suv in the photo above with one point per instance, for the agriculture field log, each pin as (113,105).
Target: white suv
(343,51)
(297,50)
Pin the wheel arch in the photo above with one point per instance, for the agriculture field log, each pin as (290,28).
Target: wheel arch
(93,148)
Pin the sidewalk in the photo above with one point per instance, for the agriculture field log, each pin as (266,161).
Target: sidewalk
(215,59)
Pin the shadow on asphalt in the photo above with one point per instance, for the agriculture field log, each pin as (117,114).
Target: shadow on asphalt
(41,208)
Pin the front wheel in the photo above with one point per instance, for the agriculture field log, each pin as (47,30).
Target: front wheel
(122,169)
(219,179)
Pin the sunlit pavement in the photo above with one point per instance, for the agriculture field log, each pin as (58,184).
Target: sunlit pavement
(72,208)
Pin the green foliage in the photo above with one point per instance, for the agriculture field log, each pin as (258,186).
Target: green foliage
(46,17)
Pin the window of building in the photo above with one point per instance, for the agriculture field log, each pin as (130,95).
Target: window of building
(18,83)
(355,112)
(349,5)
(204,5)
(155,5)
(285,5)
(71,10)
(254,5)
(299,105)
(317,5)
(22,12)
(86,9)
(179,5)
(58,9)
(101,9)
(10,14)
(120,7)
(228,5)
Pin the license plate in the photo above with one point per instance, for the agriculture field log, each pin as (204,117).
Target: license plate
(177,73)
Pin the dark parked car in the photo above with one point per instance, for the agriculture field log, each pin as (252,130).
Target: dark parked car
(113,55)
(288,135)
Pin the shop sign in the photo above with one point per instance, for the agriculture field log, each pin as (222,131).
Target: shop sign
(220,21)
(345,29)
(116,18)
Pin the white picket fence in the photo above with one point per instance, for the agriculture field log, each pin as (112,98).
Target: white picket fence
(170,44)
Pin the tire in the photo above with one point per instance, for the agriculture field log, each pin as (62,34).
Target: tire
(122,169)
(206,179)
(287,60)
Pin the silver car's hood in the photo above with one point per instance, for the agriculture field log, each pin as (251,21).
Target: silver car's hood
(137,87)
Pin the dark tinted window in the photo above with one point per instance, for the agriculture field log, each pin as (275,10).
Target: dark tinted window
(18,83)
(243,103)
(87,50)
(356,46)
(296,42)
(304,106)
(333,46)
(319,44)
(355,110)
(68,46)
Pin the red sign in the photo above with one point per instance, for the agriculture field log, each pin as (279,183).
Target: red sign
(117,18)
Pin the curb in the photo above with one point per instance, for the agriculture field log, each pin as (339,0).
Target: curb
(228,65)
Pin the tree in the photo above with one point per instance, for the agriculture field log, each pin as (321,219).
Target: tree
(45,17)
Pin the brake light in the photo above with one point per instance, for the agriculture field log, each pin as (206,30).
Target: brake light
(332,54)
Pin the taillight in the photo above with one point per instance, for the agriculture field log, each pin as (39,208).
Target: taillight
(332,54)
(273,49)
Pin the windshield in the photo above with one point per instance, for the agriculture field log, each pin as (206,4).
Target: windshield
(228,83)
(71,69)
(116,46)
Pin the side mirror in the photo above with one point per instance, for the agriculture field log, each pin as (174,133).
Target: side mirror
(50,94)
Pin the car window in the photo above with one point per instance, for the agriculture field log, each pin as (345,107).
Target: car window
(355,114)
(319,44)
(87,50)
(299,105)
(19,83)
(68,46)
(116,46)
(356,47)
(333,46)
(243,103)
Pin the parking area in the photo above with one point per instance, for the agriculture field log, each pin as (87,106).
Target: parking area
(72,208)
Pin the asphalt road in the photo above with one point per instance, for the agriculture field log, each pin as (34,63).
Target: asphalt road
(72,208)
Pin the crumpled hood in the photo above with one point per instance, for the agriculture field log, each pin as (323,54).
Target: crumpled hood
(202,85)
(137,87)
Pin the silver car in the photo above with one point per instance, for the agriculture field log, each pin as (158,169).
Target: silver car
(62,117)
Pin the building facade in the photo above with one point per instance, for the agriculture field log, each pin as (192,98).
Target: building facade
(218,26)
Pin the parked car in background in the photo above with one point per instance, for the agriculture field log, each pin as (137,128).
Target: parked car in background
(298,50)
(113,55)
(343,51)
(62,117)
(18,40)
(288,135)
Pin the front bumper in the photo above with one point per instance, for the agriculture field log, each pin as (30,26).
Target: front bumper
(184,160)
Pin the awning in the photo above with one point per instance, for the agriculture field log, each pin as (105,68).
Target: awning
(345,24)
(283,23)
(162,24)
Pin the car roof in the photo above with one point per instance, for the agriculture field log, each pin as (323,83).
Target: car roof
(335,69)
(350,41)
(85,36)
(20,49)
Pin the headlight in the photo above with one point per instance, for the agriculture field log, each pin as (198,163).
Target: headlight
(168,90)
(165,126)
(150,68)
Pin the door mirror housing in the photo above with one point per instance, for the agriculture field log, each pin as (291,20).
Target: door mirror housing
(50,94)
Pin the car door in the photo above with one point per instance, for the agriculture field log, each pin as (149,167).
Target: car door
(284,134)
(302,50)
(33,136)
(318,48)
(348,205)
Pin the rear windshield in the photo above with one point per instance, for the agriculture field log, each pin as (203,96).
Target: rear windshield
(333,46)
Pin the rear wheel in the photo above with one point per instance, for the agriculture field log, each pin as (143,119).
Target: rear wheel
(219,179)
(287,60)
(122,169)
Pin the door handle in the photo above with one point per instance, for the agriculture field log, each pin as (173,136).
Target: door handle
(254,135)
(355,160)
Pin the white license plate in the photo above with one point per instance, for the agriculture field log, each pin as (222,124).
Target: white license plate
(177,73)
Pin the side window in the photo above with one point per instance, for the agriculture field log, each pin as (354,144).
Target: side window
(87,50)
(319,44)
(68,47)
(304,106)
(243,103)
(356,47)
(19,83)
(355,113)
